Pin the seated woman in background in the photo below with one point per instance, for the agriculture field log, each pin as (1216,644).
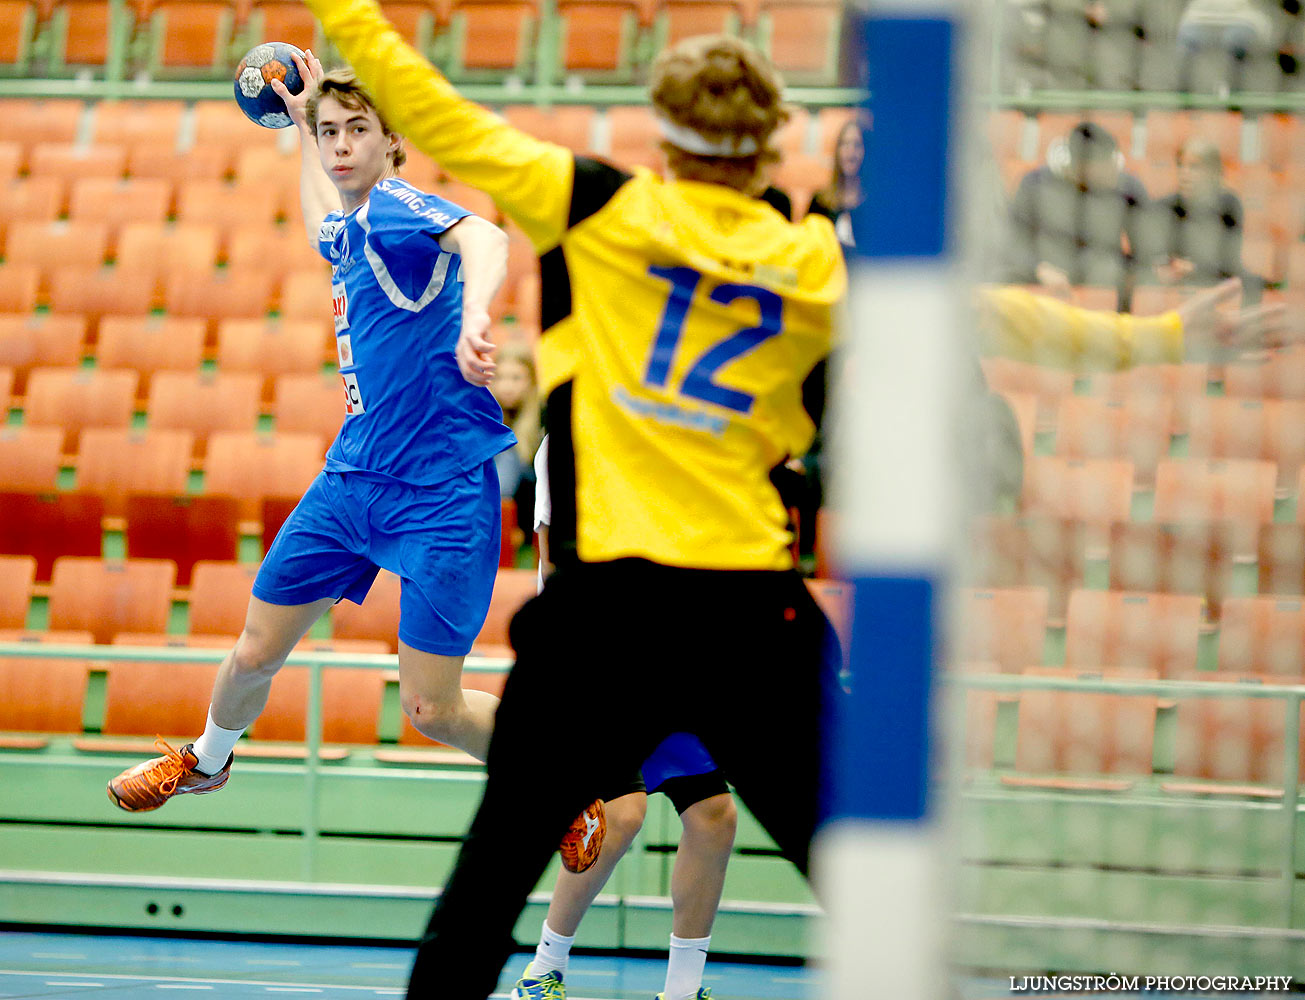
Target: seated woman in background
(1195,233)
(517,392)
(843,192)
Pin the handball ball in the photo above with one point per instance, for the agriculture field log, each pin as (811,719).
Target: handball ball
(263,64)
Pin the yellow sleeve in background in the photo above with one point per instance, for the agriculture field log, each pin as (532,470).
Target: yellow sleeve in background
(1022,325)
(529,179)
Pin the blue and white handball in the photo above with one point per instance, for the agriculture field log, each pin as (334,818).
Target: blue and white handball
(263,64)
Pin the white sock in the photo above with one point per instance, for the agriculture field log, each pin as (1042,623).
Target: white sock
(553,953)
(213,749)
(684,968)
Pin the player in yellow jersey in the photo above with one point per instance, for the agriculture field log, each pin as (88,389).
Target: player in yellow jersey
(681,317)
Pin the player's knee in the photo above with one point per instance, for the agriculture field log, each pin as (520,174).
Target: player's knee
(715,819)
(254,656)
(625,816)
(432,717)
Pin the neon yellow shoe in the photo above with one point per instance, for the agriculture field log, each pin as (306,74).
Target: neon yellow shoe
(547,987)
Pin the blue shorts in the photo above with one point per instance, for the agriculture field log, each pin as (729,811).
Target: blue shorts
(441,541)
(680,755)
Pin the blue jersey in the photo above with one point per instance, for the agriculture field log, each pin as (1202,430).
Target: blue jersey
(397,297)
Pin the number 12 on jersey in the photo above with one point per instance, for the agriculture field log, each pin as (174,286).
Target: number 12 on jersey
(700,382)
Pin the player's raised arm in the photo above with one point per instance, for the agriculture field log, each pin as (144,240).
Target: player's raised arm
(483,248)
(317,195)
(529,179)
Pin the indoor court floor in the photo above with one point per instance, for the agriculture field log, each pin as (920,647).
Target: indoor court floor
(46,965)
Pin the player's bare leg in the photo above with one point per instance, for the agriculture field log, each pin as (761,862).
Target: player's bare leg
(430,689)
(239,695)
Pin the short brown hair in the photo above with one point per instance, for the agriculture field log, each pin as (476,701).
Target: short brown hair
(343,85)
(722,88)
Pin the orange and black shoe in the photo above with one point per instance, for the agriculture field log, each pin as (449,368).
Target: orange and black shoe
(147,786)
(584,841)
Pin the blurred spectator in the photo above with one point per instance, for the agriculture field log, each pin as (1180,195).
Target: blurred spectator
(842,194)
(1075,220)
(1194,236)
(1231,28)
(1056,44)
(517,392)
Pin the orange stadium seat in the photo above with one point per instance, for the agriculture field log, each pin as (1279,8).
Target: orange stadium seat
(17,31)
(11,160)
(1270,429)
(74,399)
(681,19)
(1229,738)
(42,695)
(106,597)
(151,699)
(69,162)
(18,287)
(1049,385)
(1114,628)
(222,128)
(32,341)
(114,463)
(1083,733)
(1280,558)
(279,250)
(1236,490)
(1280,375)
(185,529)
(569,126)
(158,248)
(116,202)
(1093,490)
(226,205)
(270,348)
(30,199)
(1006,627)
(29,458)
(633,135)
(306,295)
(1192,558)
(84,29)
(135,123)
(376,618)
(51,245)
(1048,553)
(6,387)
(803,37)
(598,35)
(192,35)
(289,21)
(1166,131)
(162,160)
(219,597)
(254,466)
(1282,140)
(50,525)
(1183,382)
(1136,429)
(90,293)
(512,588)
(270,167)
(204,403)
(40,121)
(150,344)
(416,20)
(309,404)
(17,574)
(496,35)
(351,702)
(217,295)
(1263,635)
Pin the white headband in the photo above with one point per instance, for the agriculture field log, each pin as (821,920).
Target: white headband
(695,142)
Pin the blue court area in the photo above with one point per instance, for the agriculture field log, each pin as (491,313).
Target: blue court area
(111,966)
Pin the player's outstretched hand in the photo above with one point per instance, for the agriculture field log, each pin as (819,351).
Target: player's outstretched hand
(1215,334)
(310,71)
(475,351)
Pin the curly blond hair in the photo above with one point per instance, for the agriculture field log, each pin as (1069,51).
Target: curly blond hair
(724,89)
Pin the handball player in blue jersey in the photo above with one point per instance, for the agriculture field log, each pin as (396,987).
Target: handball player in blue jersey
(409,483)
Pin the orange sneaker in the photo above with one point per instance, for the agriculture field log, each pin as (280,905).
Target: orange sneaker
(147,786)
(584,841)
